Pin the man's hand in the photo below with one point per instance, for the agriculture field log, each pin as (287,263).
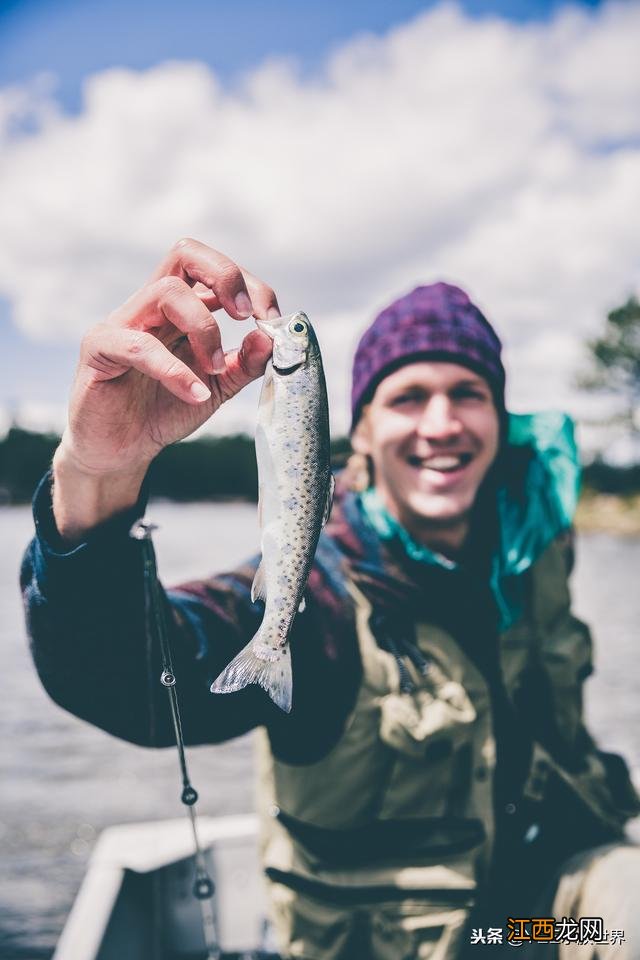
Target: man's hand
(151,374)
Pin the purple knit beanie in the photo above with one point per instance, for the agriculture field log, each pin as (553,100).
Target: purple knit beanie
(437,322)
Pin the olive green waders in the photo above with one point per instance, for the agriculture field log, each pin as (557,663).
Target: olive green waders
(379,849)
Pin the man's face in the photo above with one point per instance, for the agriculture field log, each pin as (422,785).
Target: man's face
(432,433)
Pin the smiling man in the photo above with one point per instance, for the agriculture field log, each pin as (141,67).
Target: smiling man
(430,426)
(432,433)
(435,774)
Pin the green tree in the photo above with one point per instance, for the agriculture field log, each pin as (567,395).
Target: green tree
(615,360)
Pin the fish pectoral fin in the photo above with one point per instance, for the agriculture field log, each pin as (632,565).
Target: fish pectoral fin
(259,585)
(302,606)
(329,503)
(265,404)
(260,507)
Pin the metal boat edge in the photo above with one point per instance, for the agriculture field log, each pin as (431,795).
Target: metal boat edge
(136,900)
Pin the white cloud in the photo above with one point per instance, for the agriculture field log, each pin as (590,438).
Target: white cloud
(38,416)
(596,75)
(502,156)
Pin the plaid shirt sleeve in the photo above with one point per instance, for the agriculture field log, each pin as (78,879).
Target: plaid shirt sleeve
(85,616)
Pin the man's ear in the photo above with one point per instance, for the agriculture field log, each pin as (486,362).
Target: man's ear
(361,436)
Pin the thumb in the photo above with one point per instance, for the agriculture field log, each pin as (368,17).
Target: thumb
(245,364)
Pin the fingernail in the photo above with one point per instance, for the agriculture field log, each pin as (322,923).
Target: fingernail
(243,304)
(199,391)
(218,361)
(273,313)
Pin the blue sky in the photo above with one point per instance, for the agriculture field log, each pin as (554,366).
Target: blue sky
(443,140)
(73,38)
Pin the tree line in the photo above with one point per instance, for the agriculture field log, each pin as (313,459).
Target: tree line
(211,468)
(214,468)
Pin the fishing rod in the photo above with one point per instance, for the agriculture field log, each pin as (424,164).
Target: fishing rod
(156,629)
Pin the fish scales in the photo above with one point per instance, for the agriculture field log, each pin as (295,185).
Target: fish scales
(296,486)
(292,522)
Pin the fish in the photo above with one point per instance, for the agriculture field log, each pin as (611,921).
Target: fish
(295,496)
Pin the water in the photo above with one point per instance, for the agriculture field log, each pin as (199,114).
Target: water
(63,780)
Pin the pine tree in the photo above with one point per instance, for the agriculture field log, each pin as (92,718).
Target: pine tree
(615,360)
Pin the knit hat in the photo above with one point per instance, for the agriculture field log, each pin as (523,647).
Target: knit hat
(436,322)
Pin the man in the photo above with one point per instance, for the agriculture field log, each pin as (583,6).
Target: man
(435,772)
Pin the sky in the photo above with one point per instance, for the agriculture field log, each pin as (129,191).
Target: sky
(344,152)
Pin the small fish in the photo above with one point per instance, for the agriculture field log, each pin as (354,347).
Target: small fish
(296,491)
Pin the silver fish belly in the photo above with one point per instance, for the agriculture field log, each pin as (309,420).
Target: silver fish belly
(296,488)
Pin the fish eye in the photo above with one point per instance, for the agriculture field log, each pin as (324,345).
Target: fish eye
(298,327)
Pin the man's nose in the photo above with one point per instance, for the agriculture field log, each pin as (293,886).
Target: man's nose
(438,419)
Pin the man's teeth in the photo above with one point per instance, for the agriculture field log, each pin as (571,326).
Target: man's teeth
(444,463)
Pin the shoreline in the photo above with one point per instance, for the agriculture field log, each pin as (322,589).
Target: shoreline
(597,512)
(609,513)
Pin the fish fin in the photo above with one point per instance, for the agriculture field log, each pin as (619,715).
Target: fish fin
(263,453)
(329,503)
(256,663)
(259,585)
(267,480)
(302,606)
(265,403)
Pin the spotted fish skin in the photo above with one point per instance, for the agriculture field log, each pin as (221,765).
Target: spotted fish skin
(296,486)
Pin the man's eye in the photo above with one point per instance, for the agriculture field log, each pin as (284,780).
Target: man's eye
(404,398)
(469,393)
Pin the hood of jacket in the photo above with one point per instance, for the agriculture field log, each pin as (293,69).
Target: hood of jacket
(530,500)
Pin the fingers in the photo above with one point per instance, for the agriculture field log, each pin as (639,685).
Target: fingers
(245,364)
(219,282)
(193,280)
(182,308)
(263,298)
(170,300)
(111,351)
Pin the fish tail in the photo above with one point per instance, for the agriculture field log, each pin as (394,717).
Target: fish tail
(259,663)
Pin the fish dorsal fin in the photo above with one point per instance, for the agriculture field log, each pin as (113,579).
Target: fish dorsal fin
(329,503)
(259,585)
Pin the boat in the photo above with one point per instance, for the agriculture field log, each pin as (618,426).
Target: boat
(136,901)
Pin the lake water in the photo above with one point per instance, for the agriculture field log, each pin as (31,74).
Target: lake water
(63,781)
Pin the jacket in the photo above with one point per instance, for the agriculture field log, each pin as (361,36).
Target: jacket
(488,647)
